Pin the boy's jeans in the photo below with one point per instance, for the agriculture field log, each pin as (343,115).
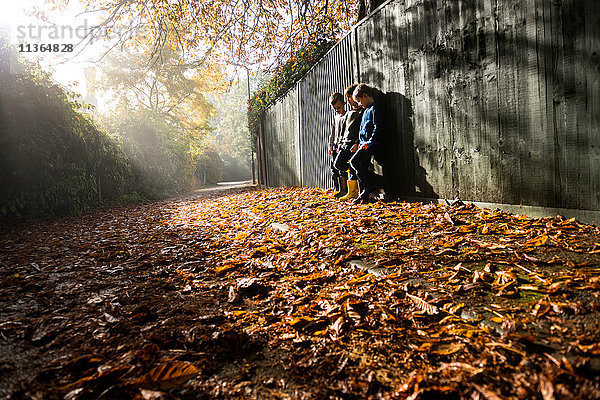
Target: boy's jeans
(360,162)
(341,163)
(335,173)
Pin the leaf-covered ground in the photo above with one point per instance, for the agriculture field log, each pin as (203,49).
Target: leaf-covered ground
(290,294)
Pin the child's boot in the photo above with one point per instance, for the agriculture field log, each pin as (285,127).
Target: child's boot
(343,188)
(352,190)
(336,184)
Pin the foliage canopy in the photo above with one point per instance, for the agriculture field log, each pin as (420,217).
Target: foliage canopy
(239,32)
(167,87)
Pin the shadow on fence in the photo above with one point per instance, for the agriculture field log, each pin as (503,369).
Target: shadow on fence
(401,172)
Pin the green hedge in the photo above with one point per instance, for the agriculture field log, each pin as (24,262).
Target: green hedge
(53,159)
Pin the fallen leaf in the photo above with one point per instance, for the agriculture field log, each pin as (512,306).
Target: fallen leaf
(546,387)
(423,305)
(168,376)
(537,241)
(446,349)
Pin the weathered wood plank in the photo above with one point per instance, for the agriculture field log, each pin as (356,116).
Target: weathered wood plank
(537,168)
(576,13)
(507,104)
(592,98)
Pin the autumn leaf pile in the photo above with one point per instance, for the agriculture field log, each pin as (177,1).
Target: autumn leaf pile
(290,294)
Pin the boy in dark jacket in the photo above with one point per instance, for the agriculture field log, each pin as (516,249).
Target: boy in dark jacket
(337,129)
(370,139)
(349,144)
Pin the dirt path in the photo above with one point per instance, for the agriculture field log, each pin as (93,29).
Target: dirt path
(245,293)
(77,289)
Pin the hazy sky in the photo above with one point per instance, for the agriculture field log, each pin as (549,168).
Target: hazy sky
(63,29)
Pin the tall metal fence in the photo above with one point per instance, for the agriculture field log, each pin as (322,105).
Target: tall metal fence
(487,100)
(281,147)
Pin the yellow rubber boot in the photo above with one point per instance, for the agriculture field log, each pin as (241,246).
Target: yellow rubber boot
(352,190)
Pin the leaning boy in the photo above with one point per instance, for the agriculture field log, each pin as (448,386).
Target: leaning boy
(349,144)
(370,139)
(337,103)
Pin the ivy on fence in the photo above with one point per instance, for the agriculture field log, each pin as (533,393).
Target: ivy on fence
(284,77)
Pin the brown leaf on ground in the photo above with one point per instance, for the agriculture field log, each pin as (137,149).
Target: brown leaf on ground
(168,376)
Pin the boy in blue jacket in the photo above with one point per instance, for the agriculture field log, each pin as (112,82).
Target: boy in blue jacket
(370,139)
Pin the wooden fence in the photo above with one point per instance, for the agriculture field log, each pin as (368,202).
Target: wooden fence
(488,100)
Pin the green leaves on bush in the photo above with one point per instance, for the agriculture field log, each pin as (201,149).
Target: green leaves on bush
(283,79)
(53,158)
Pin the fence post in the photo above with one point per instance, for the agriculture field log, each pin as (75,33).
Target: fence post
(354,49)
